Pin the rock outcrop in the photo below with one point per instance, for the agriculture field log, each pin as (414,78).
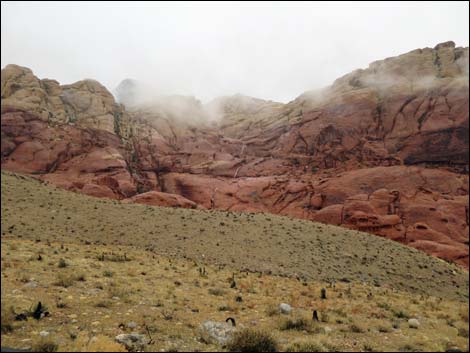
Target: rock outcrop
(383,150)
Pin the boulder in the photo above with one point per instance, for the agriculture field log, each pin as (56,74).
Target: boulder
(285,308)
(133,342)
(216,332)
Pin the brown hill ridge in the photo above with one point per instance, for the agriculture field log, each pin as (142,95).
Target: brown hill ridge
(383,150)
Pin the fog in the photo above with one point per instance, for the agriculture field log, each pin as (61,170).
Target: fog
(273,51)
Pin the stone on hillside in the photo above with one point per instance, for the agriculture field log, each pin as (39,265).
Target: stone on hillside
(133,341)
(285,308)
(216,332)
(413,323)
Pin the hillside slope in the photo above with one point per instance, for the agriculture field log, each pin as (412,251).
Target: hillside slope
(247,242)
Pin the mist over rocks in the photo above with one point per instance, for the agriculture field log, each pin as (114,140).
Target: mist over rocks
(383,149)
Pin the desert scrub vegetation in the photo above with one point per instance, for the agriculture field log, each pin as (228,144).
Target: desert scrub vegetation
(7,318)
(113,257)
(108,273)
(216,291)
(45,345)
(62,263)
(252,340)
(68,279)
(357,327)
(172,307)
(311,346)
(299,324)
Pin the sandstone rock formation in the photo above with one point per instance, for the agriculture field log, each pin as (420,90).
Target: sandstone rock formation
(382,150)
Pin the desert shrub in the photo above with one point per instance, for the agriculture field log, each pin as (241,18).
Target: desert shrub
(310,346)
(368,348)
(225,308)
(115,290)
(108,273)
(7,319)
(384,305)
(272,310)
(299,324)
(113,257)
(216,291)
(80,277)
(400,314)
(384,328)
(463,332)
(103,304)
(464,314)
(62,263)
(410,348)
(83,343)
(65,280)
(250,340)
(45,345)
(357,328)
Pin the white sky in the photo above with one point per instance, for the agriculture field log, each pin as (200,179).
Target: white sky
(267,50)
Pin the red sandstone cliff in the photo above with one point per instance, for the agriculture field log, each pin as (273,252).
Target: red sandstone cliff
(384,150)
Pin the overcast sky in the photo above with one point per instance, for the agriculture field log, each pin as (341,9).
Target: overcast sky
(267,50)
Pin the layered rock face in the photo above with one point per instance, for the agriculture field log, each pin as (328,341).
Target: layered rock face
(382,150)
(72,135)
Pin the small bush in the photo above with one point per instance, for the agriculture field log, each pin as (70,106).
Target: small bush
(216,291)
(400,314)
(384,329)
(299,324)
(115,290)
(368,348)
(104,304)
(410,348)
(464,314)
(108,273)
(463,332)
(113,257)
(7,319)
(306,347)
(62,263)
(272,310)
(80,277)
(250,340)
(356,328)
(45,345)
(225,308)
(64,280)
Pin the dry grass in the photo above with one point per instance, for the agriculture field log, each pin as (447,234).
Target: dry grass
(174,312)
